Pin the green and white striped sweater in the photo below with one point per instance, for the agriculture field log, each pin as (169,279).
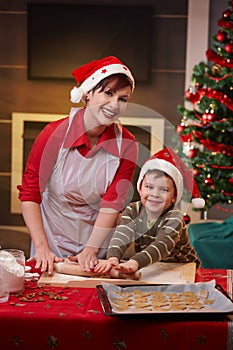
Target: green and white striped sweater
(166,240)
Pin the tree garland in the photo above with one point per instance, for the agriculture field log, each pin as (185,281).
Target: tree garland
(222,167)
(213,146)
(224,24)
(219,78)
(212,56)
(218,95)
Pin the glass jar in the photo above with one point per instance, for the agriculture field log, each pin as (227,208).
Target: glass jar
(12,270)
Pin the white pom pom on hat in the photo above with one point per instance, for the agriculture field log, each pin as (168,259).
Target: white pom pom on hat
(90,74)
(169,162)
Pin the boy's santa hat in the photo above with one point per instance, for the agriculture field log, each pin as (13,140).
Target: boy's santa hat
(90,74)
(170,163)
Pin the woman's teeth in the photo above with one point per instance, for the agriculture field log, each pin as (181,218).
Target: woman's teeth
(108,113)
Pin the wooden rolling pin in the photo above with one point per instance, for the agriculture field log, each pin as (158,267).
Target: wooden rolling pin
(73,268)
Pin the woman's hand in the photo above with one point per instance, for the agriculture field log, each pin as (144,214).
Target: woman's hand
(45,259)
(87,259)
(104,266)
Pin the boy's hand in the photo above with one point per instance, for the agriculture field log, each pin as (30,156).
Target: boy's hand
(104,266)
(129,266)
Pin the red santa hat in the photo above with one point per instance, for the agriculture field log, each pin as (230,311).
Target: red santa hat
(170,163)
(90,74)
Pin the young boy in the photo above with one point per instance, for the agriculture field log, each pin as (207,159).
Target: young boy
(154,224)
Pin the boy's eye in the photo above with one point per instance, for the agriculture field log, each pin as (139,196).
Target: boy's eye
(164,189)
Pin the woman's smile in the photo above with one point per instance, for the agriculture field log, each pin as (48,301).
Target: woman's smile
(108,113)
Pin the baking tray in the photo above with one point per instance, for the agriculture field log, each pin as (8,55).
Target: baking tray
(204,298)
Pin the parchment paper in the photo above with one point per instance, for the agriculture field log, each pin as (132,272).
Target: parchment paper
(221,303)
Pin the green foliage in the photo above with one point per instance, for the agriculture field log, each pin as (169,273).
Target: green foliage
(208,120)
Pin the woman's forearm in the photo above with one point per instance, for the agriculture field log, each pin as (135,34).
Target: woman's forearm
(103,228)
(32,216)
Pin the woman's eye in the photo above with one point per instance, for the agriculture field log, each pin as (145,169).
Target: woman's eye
(109,93)
(122,99)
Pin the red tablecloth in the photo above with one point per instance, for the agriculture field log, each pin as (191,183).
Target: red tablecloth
(72,318)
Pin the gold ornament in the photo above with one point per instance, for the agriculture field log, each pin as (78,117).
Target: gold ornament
(216,69)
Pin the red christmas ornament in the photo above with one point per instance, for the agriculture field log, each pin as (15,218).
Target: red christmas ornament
(230,181)
(208,181)
(180,128)
(192,153)
(186,138)
(221,36)
(195,172)
(212,117)
(187,219)
(229,47)
(192,97)
(205,117)
(227,13)
(209,117)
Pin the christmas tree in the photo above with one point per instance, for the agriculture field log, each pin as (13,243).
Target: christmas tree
(206,126)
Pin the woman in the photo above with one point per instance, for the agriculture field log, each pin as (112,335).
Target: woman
(80,169)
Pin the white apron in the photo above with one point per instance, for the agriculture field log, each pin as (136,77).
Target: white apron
(71,200)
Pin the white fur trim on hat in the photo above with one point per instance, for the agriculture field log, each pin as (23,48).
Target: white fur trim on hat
(166,167)
(77,93)
(198,203)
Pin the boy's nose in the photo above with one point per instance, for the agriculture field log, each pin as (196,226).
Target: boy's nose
(153,193)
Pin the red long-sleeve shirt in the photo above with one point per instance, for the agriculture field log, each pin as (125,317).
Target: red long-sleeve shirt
(44,153)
